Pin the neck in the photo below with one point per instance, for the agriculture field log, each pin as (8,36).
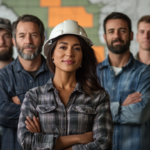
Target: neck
(64,80)
(119,60)
(144,56)
(5,63)
(31,65)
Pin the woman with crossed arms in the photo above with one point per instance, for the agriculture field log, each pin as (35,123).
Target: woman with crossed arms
(72,111)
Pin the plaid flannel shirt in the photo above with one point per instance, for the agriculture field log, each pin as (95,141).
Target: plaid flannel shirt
(82,114)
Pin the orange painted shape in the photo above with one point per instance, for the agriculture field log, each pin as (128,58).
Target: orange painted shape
(49,3)
(100,53)
(79,14)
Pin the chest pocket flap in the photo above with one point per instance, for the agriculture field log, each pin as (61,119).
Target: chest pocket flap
(84,109)
(45,108)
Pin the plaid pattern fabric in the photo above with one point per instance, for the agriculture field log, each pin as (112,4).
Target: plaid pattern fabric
(82,114)
(15,81)
(131,123)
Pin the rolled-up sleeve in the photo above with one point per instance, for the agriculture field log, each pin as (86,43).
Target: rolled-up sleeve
(28,140)
(102,128)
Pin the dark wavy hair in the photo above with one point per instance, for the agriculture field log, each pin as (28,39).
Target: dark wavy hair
(86,74)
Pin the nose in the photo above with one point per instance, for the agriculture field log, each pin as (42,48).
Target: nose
(147,35)
(116,34)
(28,39)
(69,52)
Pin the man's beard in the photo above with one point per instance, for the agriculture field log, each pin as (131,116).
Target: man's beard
(29,56)
(118,49)
(6,55)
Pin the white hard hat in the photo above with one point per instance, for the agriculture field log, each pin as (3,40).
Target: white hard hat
(67,27)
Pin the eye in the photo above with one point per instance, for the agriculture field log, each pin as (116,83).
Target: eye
(63,47)
(7,36)
(34,35)
(77,48)
(123,31)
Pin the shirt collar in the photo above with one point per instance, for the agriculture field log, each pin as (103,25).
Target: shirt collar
(137,56)
(18,66)
(130,65)
(50,86)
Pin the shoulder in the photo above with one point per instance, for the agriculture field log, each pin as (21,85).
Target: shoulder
(8,70)
(101,95)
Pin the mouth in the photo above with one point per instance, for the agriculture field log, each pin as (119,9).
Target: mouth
(69,62)
(3,47)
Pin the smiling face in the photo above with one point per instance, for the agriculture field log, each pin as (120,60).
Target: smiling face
(143,36)
(28,40)
(67,54)
(117,36)
(5,45)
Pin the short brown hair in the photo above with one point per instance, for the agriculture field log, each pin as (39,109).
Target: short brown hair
(145,19)
(118,15)
(28,18)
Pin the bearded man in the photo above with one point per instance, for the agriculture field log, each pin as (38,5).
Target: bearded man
(6,45)
(127,82)
(6,48)
(27,71)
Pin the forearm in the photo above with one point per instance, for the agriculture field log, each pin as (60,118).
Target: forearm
(64,142)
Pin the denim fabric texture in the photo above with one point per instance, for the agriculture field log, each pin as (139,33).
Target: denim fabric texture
(15,81)
(131,123)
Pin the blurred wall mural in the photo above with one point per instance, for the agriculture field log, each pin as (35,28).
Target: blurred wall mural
(89,14)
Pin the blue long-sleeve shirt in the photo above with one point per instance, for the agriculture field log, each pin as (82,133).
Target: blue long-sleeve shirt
(15,81)
(131,123)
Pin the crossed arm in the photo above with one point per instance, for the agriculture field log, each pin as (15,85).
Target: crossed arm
(135,108)
(63,142)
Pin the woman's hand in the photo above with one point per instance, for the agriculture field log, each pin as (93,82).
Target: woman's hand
(33,125)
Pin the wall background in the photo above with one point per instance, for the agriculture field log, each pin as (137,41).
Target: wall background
(89,14)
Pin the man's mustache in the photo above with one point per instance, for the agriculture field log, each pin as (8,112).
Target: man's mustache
(117,40)
(29,46)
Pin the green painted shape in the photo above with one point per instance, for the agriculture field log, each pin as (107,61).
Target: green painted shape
(21,7)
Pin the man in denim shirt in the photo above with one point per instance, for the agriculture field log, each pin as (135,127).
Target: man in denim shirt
(6,48)
(127,82)
(27,71)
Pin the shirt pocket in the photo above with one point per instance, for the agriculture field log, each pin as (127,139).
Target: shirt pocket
(85,117)
(20,93)
(47,116)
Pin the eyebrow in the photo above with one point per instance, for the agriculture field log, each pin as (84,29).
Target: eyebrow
(67,44)
(30,33)
(119,29)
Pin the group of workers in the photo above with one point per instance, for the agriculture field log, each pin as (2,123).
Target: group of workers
(68,101)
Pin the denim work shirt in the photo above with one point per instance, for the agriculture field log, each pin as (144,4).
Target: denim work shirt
(131,123)
(15,81)
(82,114)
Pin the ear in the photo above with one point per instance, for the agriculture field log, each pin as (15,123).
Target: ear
(137,37)
(14,42)
(43,39)
(131,36)
(104,35)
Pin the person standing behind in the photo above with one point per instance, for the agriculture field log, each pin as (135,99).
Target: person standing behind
(143,38)
(6,48)
(127,82)
(27,71)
